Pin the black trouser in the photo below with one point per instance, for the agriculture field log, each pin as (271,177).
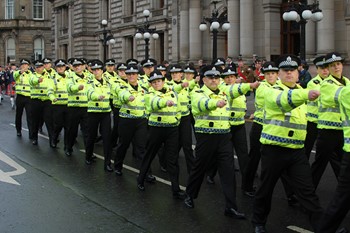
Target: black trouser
(102,120)
(339,206)
(185,141)
(311,136)
(274,161)
(329,148)
(254,159)
(60,121)
(240,145)
(76,116)
(41,110)
(170,137)
(23,102)
(115,130)
(214,148)
(131,130)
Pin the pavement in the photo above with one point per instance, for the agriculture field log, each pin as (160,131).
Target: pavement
(42,190)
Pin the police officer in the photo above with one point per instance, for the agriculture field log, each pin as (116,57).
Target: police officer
(57,92)
(99,115)
(147,68)
(22,77)
(330,135)
(212,131)
(132,119)
(48,67)
(282,139)
(339,205)
(163,106)
(77,104)
(40,102)
(312,106)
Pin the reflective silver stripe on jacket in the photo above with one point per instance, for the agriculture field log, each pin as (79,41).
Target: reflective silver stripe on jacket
(133,107)
(164,113)
(285,124)
(213,118)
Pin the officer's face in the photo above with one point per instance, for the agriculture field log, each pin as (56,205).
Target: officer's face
(189,76)
(97,73)
(24,67)
(323,71)
(78,68)
(271,77)
(212,82)
(39,69)
(289,77)
(132,78)
(121,73)
(230,79)
(148,69)
(157,84)
(47,66)
(60,69)
(110,68)
(176,76)
(336,69)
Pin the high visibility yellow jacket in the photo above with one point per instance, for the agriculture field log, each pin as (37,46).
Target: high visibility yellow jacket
(160,114)
(115,88)
(237,104)
(285,117)
(95,90)
(22,82)
(345,114)
(312,106)
(208,117)
(57,89)
(328,110)
(183,96)
(39,90)
(260,102)
(136,108)
(51,72)
(76,97)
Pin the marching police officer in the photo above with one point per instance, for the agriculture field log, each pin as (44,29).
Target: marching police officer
(312,106)
(163,106)
(23,101)
(282,139)
(57,92)
(77,104)
(212,130)
(40,102)
(330,139)
(99,115)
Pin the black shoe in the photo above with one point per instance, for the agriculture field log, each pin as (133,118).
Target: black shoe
(19,134)
(210,180)
(189,202)
(181,195)
(53,144)
(88,161)
(108,168)
(68,153)
(249,193)
(93,158)
(35,142)
(163,169)
(260,229)
(118,172)
(342,230)
(141,187)
(231,212)
(150,178)
(292,200)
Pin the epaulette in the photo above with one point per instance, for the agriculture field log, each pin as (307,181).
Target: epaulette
(123,87)
(199,91)
(317,81)
(90,81)
(278,88)
(330,81)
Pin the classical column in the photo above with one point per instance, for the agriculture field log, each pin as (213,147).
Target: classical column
(325,28)
(233,33)
(272,18)
(310,39)
(246,28)
(184,32)
(195,40)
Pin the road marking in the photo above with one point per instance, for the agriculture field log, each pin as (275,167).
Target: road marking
(298,229)
(159,179)
(6,176)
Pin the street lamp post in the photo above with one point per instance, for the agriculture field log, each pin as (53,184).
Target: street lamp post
(145,32)
(107,38)
(215,21)
(301,12)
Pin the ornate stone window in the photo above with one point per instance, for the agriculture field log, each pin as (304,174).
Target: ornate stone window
(38,9)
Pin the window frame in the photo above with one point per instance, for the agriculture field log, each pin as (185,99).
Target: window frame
(36,4)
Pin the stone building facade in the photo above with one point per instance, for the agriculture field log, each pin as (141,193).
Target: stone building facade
(257,27)
(25,30)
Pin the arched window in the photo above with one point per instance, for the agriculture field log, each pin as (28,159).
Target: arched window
(39,48)
(11,49)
